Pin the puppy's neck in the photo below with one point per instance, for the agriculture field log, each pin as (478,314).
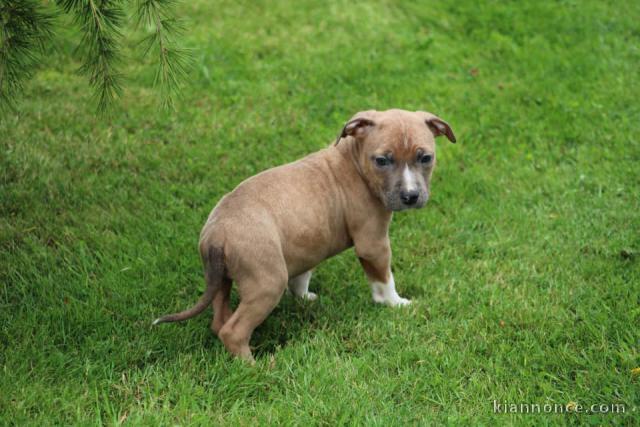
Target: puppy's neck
(351,150)
(349,174)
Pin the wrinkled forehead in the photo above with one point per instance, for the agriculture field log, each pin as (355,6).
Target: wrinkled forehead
(402,135)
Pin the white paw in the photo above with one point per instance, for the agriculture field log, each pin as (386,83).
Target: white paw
(310,296)
(385,293)
(395,301)
(379,298)
(400,302)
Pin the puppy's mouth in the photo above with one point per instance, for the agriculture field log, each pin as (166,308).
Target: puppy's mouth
(396,204)
(406,208)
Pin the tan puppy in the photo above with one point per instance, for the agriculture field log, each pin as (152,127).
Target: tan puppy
(278,225)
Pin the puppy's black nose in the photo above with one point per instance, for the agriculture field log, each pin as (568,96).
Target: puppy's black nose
(409,197)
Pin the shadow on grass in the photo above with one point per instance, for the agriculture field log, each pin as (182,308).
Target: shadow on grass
(294,319)
(291,320)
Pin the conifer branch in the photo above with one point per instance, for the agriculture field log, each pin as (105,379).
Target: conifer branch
(101,22)
(26,26)
(173,61)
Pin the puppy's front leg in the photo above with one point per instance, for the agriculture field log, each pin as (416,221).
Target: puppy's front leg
(299,286)
(377,266)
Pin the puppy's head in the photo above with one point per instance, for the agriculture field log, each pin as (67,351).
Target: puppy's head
(396,153)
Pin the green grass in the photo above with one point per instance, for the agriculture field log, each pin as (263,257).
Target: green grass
(524,268)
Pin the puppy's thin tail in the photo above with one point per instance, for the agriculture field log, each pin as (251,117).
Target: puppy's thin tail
(214,270)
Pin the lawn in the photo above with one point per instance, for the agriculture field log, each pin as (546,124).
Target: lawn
(524,268)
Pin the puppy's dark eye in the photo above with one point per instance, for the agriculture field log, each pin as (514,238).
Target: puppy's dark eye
(382,161)
(426,158)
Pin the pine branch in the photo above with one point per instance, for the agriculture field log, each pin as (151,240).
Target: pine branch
(25,27)
(173,61)
(101,22)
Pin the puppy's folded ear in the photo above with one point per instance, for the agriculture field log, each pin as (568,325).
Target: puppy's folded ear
(357,127)
(438,126)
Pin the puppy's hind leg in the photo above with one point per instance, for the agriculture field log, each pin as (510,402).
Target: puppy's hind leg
(259,294)
(221,306)
(299,286)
